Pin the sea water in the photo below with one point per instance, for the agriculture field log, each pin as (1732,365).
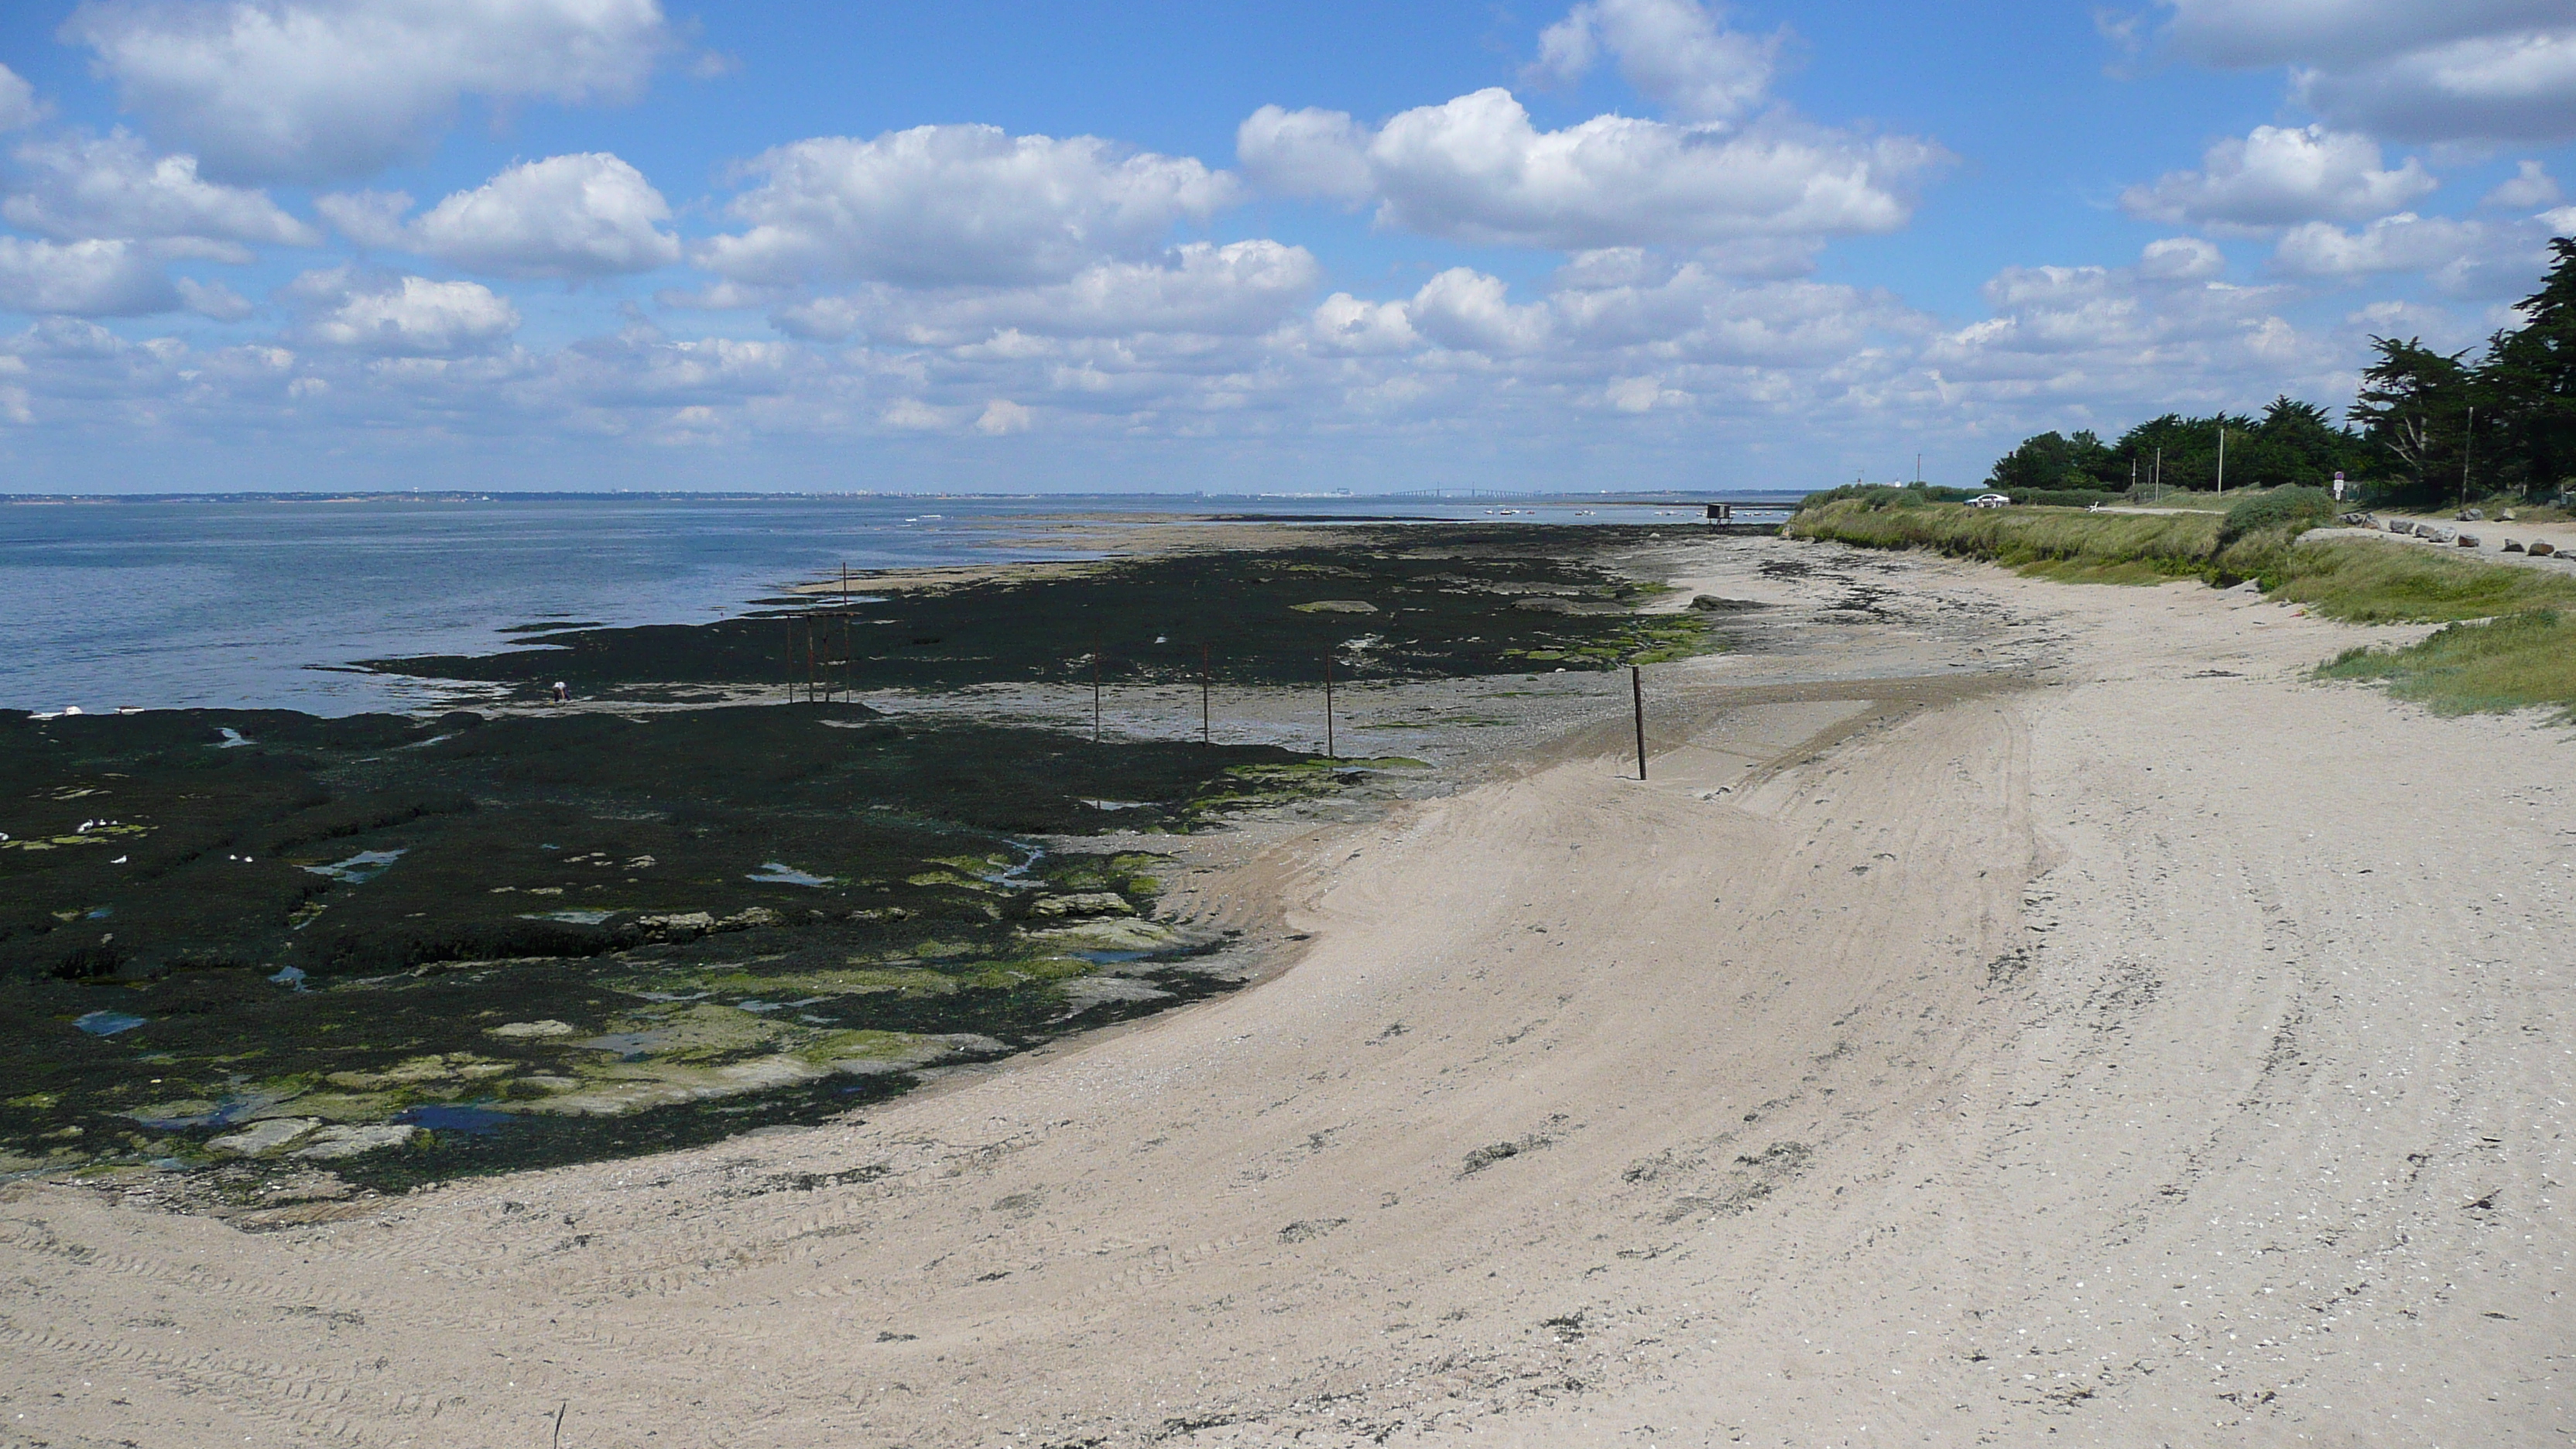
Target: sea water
(248,603)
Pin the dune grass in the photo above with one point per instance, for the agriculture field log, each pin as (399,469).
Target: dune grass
(2489,666)
(2178,545)
(2396,583)
(2507,644)
(2360,580)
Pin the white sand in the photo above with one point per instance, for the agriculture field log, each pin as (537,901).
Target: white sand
(2134,1055)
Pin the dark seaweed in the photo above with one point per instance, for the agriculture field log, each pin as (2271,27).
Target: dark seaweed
(1446,602)
(182,908)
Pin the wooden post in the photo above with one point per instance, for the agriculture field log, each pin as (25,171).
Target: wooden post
(1095,694)
(1204,736)
(1637,691)
(1328,704)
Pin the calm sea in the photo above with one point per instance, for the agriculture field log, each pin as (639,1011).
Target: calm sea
(263,603)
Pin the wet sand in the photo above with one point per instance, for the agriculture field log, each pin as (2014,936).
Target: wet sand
(2009,1011)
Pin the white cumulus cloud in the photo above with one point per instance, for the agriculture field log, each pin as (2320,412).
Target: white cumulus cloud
(956,205)
(2281,176)
(1001,416)
(1477,170)
(82,279)
(1235,289)
(400,316)
(586,215)
(1672,51)
(313,90)
(112,186)
(19,108)
(2401,243)
(2409,70)
(1468,310)
(2530,187)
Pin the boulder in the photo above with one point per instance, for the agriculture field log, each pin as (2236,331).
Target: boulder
(529,1030)
(262,1138)
(2467,540)
(2512,546)
(333,1143)
(2400,526)
(1084,903)
(677,925)
(2472,515)
(2543,549)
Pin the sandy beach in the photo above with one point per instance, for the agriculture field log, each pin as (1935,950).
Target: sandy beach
(2009,1012)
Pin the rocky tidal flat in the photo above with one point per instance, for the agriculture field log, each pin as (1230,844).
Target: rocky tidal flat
(393,949)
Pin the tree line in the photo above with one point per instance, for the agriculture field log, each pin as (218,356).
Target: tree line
(2427,427)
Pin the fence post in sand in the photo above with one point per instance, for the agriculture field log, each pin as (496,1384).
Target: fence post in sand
(1637,692)
(1328,704)
(1204,734)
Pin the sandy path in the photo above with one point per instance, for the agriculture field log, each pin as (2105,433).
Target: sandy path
(2149,1047)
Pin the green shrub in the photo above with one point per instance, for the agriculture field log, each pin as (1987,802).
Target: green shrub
(1883,495)
(2294,509)
(2064,497)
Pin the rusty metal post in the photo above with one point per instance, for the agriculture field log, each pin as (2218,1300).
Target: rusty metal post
(1637,691)
(1328,704)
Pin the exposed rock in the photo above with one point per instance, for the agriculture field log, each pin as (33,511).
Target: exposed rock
(744,920)
(1085,903)
(262,1138)
(2543,549)
(2400,526)
(2431,534)
(2472,515)
(2467,540)
(677,926)
(2512,546)
(1336,606)
(332,1143)
(1712,604)
(526,1029)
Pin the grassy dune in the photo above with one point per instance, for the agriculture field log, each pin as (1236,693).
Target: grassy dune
(2514,662)
(2508,646)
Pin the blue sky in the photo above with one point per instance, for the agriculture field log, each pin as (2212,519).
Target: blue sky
(1617,243)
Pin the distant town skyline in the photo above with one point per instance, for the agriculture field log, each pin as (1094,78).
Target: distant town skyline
(1628,244)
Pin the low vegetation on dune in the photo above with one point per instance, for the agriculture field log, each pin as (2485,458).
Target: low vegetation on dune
(2116,547)
(2508,645)
(2515,662)
(2387,583)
